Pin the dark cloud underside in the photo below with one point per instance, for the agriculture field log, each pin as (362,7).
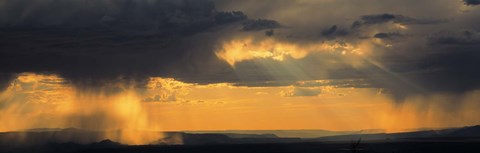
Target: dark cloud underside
(395,18)
(471,2)
(92,42)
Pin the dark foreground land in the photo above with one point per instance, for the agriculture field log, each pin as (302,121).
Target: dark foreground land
(313,147)
(455,140)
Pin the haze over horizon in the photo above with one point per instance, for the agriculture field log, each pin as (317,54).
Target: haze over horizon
(200,65)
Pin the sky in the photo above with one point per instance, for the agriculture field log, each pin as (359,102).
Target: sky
(172,65)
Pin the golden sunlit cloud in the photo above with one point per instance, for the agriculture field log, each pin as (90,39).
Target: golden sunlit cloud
(239,50)
(165,90)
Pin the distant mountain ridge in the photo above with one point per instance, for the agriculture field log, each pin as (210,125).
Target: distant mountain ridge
(470,133)
(289,133)
(473,131)
(97,138)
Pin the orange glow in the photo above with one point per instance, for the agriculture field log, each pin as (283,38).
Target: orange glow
(47,101)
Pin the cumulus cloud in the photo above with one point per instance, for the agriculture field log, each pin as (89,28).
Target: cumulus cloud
(165,90)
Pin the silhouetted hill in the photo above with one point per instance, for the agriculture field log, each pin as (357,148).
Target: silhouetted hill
(288,133)
(39,137)
(466,133)
(233,135)
(196,139)
(216,139)
(106,143)
(473,131)
(75,140)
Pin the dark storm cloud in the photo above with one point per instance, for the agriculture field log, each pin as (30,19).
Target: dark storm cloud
(334,31)
(454,60)
(391,35)
(339,83)
(467,37)
(394,18)
(471,2)
(380,18)
(94,41)
(5,79)
(269,33)
(260,24)
(90,42)
(330,31)
(118,13)
(450,71)
(454,71)
(227,17)
(446,67)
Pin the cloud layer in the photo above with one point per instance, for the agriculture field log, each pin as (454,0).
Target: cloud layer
(425,48)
